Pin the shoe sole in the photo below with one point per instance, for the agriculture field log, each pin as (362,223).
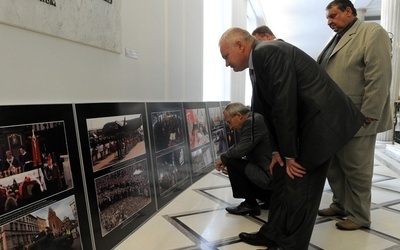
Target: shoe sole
(245,213)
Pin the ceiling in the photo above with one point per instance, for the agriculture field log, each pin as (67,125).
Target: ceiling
(304,24)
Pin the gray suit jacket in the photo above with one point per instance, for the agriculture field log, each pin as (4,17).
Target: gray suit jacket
(255,147)
(254,144)
(361,65)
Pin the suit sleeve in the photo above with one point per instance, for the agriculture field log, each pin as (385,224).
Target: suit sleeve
(246,143)
(377,73)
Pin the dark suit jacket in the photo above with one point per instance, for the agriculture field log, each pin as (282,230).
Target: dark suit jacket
(256,146)
(302,105)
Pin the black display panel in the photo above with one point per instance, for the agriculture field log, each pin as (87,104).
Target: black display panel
(169,150)
(118,173)
(39,170)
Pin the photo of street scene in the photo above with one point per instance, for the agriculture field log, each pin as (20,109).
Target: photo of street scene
(167,128)
(218,133)
(115,139)
(201,158)
(197,125)
(52,227)
(172,168)
(122,194)
(219,142)
(34,164)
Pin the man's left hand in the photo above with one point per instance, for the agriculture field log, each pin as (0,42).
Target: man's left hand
(293,169)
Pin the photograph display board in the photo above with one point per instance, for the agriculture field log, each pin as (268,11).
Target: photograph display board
(217,128)
(118,172)
(198,130)
(39,170)
(169,150)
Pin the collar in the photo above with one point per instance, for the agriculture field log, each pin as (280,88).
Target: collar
(251,66)
(347,28)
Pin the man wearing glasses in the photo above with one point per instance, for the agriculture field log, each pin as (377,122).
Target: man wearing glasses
(248,160)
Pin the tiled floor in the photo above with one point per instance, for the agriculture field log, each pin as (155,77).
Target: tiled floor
(197,219)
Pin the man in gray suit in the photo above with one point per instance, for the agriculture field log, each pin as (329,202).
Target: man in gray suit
(309,119)
(360,64)
(248,160)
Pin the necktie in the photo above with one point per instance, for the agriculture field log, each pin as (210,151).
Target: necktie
(328,52)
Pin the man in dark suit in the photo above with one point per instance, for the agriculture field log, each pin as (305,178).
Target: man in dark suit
(248,160)
(309,119)
(25,159)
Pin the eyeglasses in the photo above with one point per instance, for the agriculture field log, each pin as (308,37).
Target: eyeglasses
(229,121)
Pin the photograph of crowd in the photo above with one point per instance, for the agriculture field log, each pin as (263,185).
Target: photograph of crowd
(122,194)
(167,128)
(52,227)
(115,139)
(172,169)
(201,158)
(34,164)
(197,125)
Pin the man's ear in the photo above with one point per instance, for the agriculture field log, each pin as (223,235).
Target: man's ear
(241,45)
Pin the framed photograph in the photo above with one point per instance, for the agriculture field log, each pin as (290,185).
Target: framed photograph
(115,139)
(54,226)
(40,166)
(217,127)
(118,175)
(170,152)
(198,130)
(122,194)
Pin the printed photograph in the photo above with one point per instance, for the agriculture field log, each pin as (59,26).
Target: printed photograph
(167,128)
(55,226)
(172,169)
(219,142)
(122,194)
(34,164)
(216,118)
(115,139)
(197,125)
(201,158)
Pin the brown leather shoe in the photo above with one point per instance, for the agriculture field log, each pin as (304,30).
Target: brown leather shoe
(330,212)
(347,225)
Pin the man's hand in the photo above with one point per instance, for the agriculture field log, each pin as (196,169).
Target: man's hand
(275,158)
(293,169)
(368,121)
(218,165)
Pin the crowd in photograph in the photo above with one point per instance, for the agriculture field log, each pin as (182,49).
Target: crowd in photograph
(121,194)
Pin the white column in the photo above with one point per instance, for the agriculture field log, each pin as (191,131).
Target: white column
(390,20)
(361,14)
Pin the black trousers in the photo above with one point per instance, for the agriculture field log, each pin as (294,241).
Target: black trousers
(242,187)
(294,207)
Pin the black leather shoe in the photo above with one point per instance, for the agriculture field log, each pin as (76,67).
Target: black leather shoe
(256,239)
(244,209)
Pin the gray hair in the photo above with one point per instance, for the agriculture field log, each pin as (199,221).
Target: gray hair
(235,107)
(234,34)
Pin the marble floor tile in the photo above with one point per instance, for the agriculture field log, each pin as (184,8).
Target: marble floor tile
(196,219)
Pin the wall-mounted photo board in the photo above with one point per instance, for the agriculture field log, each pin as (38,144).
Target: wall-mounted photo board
(42,199)
(118,170)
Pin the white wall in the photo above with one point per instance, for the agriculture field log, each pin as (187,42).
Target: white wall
(37,68)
